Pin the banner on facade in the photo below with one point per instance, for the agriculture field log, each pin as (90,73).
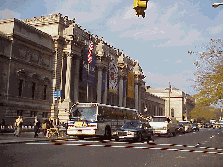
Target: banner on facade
(90,78)
(104,81)
(124,88)
(131,84)
(113,77)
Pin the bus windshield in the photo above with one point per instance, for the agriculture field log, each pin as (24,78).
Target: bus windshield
(83,114)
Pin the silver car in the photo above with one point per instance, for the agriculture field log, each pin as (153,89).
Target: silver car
(187,125)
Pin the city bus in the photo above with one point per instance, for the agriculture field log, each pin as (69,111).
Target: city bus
(95,119)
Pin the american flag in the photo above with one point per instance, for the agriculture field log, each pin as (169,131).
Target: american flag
(170,89)
(90,52)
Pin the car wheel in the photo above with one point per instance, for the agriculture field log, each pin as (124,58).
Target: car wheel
(140,137)
(107,134)
(149,137)
(168,134)
(80,137)
(117,139)
(174,133)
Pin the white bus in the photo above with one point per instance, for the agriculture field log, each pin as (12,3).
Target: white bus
(97,119)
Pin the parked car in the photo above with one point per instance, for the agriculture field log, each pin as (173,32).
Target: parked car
(195,127)
(217,126)
(208,125)
(180,128)
(199,125)
(187,125)
(134,131)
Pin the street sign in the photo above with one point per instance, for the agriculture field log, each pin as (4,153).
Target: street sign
(57,93)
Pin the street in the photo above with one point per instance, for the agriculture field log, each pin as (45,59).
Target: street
(203,148)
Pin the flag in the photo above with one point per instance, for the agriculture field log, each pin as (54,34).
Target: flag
(170,89)
(90,52)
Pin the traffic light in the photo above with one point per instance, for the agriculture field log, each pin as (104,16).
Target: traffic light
(140,6)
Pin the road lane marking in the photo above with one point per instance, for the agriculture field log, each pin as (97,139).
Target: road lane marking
(114,146)
(148,143)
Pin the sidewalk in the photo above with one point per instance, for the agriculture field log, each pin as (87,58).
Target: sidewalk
(9,138)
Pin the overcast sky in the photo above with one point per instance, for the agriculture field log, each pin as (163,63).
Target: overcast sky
(160,41)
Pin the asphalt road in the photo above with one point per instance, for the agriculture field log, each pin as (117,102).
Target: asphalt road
(203,148)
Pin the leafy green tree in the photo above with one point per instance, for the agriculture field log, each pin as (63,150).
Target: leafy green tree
(202,114)
(209,74)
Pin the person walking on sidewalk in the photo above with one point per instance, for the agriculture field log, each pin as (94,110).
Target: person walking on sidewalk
(44,128)
(18,126)
(49,125)
(36,126)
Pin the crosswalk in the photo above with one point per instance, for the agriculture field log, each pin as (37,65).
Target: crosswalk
(128,145)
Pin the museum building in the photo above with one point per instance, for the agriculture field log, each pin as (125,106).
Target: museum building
(47,55)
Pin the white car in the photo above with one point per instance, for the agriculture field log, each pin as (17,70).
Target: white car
(187,125)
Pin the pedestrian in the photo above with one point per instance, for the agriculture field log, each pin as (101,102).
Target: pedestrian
(44,128)
(49,125)
(36,126)
(18,126)
(3,124)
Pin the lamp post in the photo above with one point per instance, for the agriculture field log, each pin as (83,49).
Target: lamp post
(215,5)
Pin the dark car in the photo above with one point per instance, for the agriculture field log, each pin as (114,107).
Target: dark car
(134,131)
(195,127)
(208,125)
(180,128)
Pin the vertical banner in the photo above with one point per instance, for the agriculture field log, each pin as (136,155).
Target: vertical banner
(84,69)
(131,84)
(104,81)
(113,77)
(124,88)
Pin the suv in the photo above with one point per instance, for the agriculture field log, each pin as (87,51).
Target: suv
(163,125)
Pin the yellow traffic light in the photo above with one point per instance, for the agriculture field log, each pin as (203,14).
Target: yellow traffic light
(142,3)
(140,6)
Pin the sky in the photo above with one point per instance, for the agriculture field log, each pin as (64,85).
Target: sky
(159,42)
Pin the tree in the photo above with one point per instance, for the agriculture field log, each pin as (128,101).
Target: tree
(202,114)
(209,74)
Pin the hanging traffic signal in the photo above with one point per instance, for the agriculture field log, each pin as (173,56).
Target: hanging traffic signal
(140,6)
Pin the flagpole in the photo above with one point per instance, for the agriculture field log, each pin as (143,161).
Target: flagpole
(87,89)
(88,62)
(169,99)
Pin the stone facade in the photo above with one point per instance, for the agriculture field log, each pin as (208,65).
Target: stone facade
(179,103)
(111,78)
(26,71)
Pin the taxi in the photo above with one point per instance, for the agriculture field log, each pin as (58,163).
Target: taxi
(216,126)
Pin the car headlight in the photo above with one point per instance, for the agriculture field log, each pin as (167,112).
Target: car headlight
(164,128)
(114,132)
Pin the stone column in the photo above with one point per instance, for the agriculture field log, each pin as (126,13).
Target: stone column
(121,87)
(125,95)
(99,82)
(76,80)
(136,92)
(105,91)
(68,78)
(139,97)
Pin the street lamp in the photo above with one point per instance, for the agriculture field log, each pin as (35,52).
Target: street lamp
(215,5)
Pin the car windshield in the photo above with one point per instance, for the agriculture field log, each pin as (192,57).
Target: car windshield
(158,119)
(131,125)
